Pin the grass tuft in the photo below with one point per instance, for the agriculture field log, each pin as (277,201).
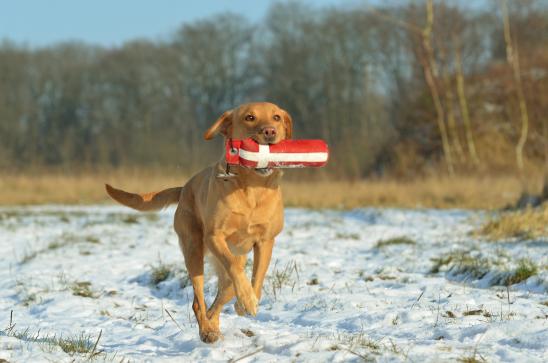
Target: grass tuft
(472,312)
(29,299)
(130,220)
(359,344)
(285,276)
(363,341)
(92,239)
(462,262)
(81,344)
(313,281)
(343,235)
(400,240)
(66,239)
(160,273)
(29,296)
(29,256)
(526,268)
(55,245)
(469,359)
(523,224)
(474,266)
(82,288)
(247,333)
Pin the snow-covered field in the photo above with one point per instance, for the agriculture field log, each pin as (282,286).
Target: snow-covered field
(333,293)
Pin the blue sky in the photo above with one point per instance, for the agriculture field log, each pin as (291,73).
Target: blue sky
(111,22)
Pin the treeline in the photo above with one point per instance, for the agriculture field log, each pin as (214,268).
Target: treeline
(397,90)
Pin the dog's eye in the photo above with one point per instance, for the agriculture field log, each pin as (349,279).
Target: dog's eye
(277,118)
(250,118)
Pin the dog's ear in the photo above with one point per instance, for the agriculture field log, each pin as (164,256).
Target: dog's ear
(288,124)
(222,125)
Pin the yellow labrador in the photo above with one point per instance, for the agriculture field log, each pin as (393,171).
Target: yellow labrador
(227,217)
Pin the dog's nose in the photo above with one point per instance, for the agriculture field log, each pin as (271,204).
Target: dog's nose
(269,132)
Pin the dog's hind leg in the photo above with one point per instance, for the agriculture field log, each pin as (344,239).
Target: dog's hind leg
(192,246)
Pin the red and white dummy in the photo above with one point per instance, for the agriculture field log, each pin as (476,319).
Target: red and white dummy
(285,154)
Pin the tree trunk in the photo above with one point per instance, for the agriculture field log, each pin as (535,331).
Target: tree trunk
(544,194)
(449,102)
(512,57)
(430,71)
(463,103)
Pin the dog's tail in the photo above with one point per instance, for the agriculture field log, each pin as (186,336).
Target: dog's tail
(145,202)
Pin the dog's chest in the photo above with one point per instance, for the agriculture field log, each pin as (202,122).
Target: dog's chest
(256,219)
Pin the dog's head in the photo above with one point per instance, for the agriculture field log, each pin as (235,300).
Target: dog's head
(264,122)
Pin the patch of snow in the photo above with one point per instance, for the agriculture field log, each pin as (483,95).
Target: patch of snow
(342,298)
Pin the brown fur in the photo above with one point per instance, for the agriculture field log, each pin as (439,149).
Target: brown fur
(145,202)
(226,217)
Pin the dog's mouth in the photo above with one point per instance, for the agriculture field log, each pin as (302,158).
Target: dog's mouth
(264,141)
(264,171)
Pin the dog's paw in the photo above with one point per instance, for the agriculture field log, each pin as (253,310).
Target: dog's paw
(210,336)
(246,302)
(209,331)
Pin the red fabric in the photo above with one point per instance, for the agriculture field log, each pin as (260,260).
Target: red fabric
(285,154)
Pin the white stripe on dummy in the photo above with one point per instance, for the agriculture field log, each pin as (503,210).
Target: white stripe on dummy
(264,156)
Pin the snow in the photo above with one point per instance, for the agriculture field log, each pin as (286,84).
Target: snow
(330,295)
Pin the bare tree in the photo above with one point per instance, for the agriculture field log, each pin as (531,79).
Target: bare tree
(512,57)
(396,89)
(449,98)
(425,55)
(463,103)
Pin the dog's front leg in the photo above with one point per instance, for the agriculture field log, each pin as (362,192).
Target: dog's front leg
(262,253)
(244,292)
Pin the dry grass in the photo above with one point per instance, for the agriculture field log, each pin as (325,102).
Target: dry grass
(81,344)
(524,224)
(472,266)
(526,268)
(82,288)
(280,277)
(431,192)
(437,192)
(78,188)
(401,240)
